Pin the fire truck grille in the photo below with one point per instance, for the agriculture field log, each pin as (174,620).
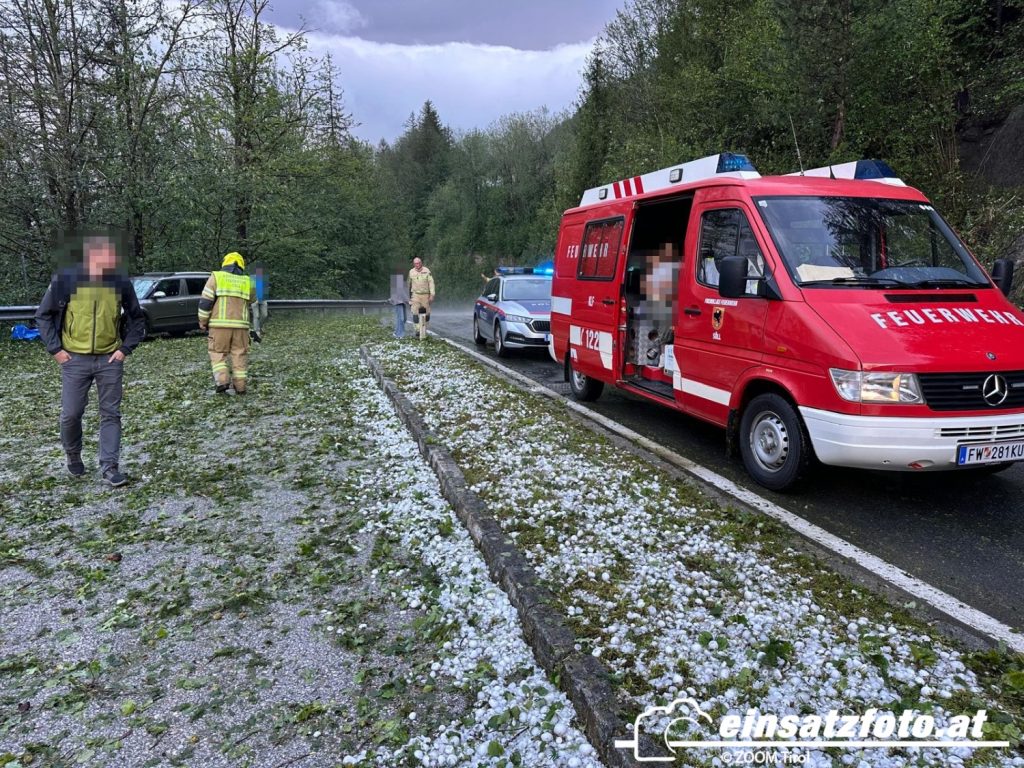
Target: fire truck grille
(541,326)
(967,391)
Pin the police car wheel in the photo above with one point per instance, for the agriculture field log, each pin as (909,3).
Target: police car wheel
(583,387)
(499,343)
(478,337)
(773,442)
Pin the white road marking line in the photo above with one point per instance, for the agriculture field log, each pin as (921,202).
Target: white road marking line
(941,601)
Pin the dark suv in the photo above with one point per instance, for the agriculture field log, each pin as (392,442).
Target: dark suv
(170,300)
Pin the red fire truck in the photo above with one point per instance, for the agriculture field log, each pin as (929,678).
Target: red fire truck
(831,315)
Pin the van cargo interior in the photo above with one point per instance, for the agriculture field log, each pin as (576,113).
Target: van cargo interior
(651,288)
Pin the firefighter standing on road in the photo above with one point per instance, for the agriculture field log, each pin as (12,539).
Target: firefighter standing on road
(224,308)
(421,284)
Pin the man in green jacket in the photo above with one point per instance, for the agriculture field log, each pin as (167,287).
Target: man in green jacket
(79,320)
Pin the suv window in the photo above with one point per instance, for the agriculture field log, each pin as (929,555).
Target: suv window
(195,285)
(726,232)
(170,287)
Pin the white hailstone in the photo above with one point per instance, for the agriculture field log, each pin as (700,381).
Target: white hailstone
(596,652)
(927,690)
(412,715)
(560,729)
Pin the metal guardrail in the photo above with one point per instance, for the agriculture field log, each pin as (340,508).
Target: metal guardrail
(12,314)
(17,313)
(360,304)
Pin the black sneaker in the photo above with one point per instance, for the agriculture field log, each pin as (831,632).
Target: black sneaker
(75,466)
(114,478)
(222,388)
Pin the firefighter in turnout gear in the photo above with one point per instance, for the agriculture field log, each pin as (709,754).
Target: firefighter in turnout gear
(224,309)
(421,285)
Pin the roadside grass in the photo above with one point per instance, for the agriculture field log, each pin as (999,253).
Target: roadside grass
(245,600)
(678,595)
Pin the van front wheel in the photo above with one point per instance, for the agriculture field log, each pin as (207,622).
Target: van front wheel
(583,387)
(773,442)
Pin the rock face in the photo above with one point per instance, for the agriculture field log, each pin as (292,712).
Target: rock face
(996,153)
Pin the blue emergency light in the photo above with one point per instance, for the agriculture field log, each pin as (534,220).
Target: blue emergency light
(873,169)
(526,270)
(730,162)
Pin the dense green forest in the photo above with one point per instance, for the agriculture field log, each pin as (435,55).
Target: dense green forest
(195,127)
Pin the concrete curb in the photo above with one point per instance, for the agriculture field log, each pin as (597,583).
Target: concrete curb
(583,678)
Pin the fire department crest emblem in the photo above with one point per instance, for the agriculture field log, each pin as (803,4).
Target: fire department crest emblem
(717,317)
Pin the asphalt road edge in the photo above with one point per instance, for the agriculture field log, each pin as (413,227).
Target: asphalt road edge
(582,677)
(948,613)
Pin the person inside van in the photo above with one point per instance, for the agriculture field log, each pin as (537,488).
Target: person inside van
(652,317)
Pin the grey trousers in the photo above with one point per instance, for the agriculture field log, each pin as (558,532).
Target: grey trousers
(77,376)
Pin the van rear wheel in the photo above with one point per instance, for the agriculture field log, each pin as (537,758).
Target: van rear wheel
(583,387)
(774,443)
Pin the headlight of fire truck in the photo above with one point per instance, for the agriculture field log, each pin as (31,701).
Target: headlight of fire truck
(876,387)
(517,319)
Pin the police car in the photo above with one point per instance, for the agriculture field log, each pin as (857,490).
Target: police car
(514,311)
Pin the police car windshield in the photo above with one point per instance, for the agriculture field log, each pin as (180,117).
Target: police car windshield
(526,289)
(855,242)
(142,285)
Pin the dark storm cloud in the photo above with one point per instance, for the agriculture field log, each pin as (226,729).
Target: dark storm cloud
(527,24)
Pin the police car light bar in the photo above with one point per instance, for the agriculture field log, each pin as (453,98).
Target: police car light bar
(726,164)
(525,271)
(865,170)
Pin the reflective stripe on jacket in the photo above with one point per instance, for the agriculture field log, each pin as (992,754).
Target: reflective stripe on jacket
(421,282)
(231,295)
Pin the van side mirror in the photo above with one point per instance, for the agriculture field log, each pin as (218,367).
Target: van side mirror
(732,277)
(159,295)
(1002,275)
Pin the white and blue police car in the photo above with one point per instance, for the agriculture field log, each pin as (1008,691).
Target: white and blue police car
(514,310)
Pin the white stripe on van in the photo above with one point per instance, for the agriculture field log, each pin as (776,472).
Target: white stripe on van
(604,343)
(561,304)
(703,391)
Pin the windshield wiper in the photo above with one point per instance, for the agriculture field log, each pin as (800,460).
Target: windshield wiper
(944,282)
(884,282)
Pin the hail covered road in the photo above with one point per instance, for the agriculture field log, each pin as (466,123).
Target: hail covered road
(962,536)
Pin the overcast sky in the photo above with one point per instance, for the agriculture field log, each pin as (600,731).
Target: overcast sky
(475,59)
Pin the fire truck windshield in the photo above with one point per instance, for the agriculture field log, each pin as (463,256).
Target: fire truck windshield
(867,242)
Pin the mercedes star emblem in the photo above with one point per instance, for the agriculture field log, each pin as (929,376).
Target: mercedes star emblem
(994,390)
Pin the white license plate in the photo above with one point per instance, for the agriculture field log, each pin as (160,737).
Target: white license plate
(989,452)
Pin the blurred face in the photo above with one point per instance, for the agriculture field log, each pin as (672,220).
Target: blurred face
(417,263)
(100,255)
